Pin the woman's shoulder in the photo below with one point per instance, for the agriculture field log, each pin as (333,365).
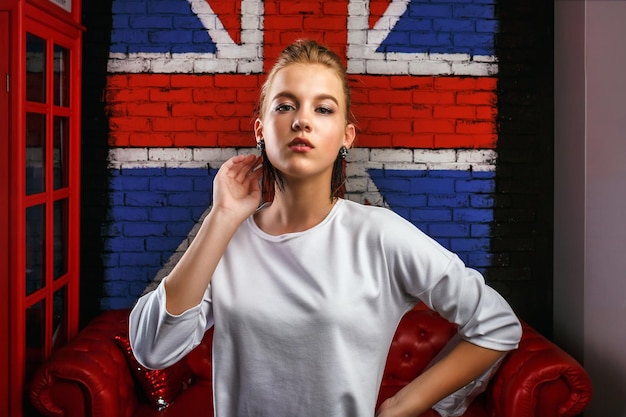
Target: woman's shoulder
(360,211)
(376,218)
(384,224)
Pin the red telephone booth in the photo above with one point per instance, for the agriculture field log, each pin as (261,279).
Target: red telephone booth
(40,69)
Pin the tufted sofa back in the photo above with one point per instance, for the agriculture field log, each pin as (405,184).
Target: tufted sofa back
(90,376)
(421,334)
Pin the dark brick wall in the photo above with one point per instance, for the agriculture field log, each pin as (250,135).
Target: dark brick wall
(522,228)
(94,199)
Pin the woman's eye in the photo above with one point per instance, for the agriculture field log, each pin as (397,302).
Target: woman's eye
(284,107)
(325,110)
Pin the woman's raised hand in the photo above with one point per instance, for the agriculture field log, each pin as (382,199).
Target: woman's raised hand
(236,188)
(236,195)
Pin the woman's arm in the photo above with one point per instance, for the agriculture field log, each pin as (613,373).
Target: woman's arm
(236,195)
(462,365)
(165,324)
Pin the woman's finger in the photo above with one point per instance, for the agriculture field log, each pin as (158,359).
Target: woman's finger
(239,166)
(255,173)
(248,164)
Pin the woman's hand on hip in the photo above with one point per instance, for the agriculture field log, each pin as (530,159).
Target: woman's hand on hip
(392,407)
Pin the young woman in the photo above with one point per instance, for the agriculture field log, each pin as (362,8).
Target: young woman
(306,291)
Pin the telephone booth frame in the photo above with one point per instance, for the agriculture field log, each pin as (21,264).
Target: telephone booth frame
(41,48)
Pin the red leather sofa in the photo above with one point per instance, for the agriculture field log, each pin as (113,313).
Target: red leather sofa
(91,375)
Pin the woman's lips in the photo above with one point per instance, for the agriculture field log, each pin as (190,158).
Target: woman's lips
(300,145)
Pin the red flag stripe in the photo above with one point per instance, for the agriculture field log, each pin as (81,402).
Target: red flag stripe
(173,110)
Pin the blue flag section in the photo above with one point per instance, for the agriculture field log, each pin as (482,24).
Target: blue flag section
(454,207)
(445,28)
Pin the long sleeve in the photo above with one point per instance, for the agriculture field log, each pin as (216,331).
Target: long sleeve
(437,277)
(482,314)
(158,338)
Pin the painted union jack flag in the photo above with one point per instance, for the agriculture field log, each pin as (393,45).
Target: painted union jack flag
(183,84)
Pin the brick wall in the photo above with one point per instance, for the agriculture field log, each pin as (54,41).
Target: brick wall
(429,99)
(523,207)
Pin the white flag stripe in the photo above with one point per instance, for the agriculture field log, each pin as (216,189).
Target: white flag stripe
(360,159)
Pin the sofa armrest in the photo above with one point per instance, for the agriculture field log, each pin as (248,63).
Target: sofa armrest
(539,379)
(89,376)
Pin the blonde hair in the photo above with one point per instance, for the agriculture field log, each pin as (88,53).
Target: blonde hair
(304,51)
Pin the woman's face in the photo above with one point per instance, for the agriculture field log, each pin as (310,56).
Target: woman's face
(304,123)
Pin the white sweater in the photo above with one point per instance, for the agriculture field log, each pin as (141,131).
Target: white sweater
(303,321)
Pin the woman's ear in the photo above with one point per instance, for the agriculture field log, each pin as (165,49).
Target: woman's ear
(349,136)
(258,130)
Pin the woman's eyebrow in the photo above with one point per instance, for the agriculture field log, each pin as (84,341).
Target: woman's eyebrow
(319,97)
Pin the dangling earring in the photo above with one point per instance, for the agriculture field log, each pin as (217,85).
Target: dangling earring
(343,152)
(260,145)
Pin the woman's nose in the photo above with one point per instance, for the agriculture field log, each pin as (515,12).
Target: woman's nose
(301,122)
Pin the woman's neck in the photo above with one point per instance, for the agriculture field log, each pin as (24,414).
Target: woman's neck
(295,209)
